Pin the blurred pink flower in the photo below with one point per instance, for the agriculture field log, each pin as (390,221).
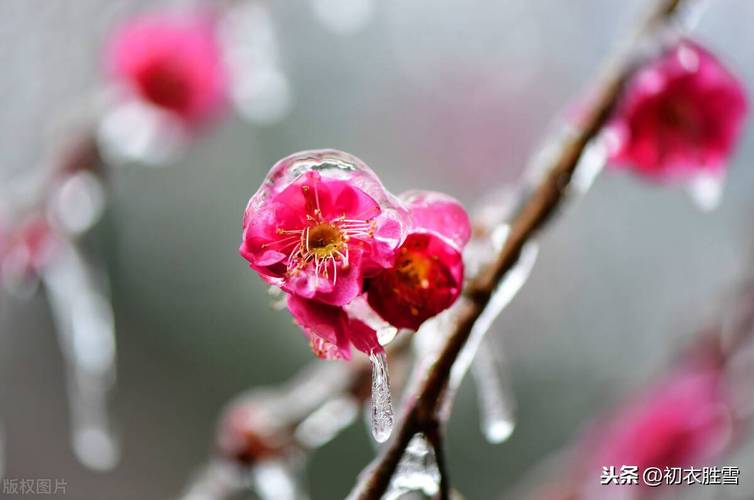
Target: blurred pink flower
(427,275)
(330,331)
(685,421)
(681,115)
(317,232)
(171,61)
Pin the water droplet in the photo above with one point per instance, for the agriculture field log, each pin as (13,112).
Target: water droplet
(382,400)
(496,401)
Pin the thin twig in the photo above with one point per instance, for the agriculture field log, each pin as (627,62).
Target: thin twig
(543,202)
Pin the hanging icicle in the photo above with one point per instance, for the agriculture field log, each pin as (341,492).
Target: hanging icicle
(493,389)
(382,400)
(86,333)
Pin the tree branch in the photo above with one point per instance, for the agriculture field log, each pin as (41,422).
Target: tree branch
(536,210)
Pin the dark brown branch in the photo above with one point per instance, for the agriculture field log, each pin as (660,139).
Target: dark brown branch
(435,438)
(543,202)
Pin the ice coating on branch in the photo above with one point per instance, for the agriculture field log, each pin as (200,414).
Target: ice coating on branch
(171,61)
(319,224)
(680,117)
(382,400)
(417,471)
(427,274)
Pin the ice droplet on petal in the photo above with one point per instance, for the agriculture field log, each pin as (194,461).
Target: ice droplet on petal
(417,471)
(706,191)
(382,400)
(496,401)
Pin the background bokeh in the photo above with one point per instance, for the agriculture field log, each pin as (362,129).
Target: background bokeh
(451,95)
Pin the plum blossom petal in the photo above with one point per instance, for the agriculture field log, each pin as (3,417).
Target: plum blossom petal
(330,331)
(427,275)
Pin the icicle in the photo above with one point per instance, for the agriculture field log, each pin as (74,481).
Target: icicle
(276,480)
(417,471)
(85,329)
(382,402)
(215,481)
(504,293)
(706,191)
(496,401)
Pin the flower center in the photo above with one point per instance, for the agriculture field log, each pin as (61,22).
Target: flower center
(414,268)
(323,240)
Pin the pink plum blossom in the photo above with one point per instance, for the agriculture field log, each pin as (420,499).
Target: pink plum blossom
(171,61)
(319,224)
(330,331)
(680,116)
(684,421)
(427,275)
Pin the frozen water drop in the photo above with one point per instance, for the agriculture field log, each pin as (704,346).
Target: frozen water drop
(496,402)
(382,400)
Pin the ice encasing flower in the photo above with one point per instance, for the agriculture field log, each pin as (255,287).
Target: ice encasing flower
(319,224)
(427,274)
(171,61)
(680,116)
(685,421)
(331,331)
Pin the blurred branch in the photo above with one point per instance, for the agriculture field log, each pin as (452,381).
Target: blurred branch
(545,198)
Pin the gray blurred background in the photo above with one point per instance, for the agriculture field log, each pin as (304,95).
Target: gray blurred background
(450,95)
